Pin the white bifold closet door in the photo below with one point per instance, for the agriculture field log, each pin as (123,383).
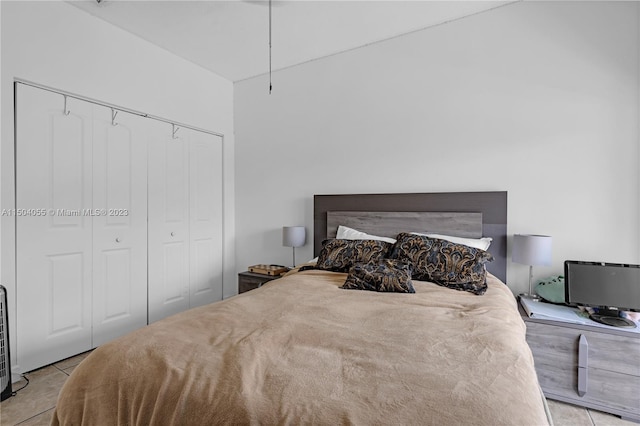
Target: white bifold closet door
(205,218)
(81,226)
(185,221)
(119,224)
(53,252)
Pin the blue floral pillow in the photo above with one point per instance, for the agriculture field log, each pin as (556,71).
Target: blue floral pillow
(442,262)
(386,275)
(340,255)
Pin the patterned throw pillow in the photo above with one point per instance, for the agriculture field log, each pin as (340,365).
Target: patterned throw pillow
(340,255)
(384,275)
(442,262)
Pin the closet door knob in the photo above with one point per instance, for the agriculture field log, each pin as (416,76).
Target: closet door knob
(117,239)
(173,234)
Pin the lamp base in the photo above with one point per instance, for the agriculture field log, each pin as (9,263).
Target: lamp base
(531,295)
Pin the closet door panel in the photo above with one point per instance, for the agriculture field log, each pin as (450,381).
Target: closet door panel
(53,244)
(66,171)
(205,200)
(168,190)
(119,224)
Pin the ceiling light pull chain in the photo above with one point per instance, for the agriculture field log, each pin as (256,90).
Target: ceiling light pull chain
(270,86)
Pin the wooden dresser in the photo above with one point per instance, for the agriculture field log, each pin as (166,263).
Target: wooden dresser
(590,366)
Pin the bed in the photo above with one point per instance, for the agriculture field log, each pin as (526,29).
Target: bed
(303,350)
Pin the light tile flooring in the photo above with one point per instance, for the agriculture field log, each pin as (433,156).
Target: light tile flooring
(33,406)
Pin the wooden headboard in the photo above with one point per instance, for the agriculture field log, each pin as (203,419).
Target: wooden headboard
(492,206)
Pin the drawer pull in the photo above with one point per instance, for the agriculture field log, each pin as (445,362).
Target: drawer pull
(583,362)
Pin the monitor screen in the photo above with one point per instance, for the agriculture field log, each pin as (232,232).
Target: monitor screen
(602,284)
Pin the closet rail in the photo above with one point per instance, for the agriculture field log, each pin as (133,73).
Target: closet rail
(66,95)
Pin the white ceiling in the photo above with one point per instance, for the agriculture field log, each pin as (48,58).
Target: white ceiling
(231,38)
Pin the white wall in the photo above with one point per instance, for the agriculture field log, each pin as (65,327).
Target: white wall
(536,98)
(58,45)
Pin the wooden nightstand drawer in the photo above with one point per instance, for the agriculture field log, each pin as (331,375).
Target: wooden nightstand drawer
(249,281)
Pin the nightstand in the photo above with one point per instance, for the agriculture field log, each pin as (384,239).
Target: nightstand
(590,366)
(249,281)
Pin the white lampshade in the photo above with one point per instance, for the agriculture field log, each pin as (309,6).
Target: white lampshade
(532,249)
(293,236)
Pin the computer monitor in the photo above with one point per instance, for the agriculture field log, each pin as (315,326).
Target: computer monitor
(610,287)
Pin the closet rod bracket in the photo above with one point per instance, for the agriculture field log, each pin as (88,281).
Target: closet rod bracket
(113,117)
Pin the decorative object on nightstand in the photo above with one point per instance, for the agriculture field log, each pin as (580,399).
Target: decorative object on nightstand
(275,270)
(531,250)
(293,236)
(551,289)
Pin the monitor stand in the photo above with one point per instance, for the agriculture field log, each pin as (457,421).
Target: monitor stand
(610,317)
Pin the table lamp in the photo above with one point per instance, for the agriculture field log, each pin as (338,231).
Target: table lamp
(293,236)
(531,250)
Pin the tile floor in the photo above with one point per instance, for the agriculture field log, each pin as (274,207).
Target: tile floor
(33,406)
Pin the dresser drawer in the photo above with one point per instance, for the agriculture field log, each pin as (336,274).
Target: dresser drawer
(606,390)
(554,345)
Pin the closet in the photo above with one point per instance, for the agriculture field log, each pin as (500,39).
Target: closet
(118,223)
(185,218)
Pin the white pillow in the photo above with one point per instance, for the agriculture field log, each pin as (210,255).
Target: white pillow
(479,243)
(346,233)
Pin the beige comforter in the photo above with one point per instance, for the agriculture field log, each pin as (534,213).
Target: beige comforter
(300,350)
